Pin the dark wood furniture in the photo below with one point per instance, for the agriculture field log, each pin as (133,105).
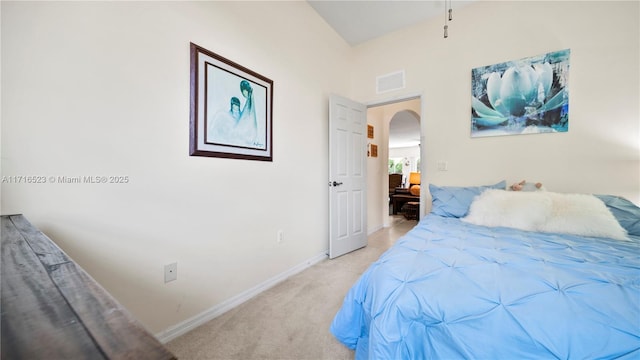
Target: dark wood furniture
(395,180)
(411,210)
(52,309)
(398,200)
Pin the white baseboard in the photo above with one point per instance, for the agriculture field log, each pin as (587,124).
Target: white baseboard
(371,231)
(217,310)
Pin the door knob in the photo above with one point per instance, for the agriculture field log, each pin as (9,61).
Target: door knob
(335,183)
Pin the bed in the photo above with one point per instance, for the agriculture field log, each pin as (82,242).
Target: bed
(456,288)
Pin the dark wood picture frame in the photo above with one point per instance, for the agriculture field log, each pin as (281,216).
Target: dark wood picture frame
(231,109)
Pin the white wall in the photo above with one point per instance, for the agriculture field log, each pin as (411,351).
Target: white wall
(601,151)
(402,152)
(377,180)
(102,88)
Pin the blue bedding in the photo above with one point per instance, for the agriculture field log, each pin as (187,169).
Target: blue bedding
(453,290)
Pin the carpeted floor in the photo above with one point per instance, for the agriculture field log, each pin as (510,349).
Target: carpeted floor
(292,319)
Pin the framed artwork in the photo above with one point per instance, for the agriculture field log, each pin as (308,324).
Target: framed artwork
(374,150)
(370,131)
(231,109)
(525,96)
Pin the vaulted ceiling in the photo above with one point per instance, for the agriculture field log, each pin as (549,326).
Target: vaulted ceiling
(364,20)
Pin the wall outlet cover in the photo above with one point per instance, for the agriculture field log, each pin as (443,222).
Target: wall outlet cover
(170,272)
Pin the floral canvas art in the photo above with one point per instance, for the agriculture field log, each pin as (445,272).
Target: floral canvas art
(526,96)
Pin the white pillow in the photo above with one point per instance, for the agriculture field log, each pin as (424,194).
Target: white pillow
(577,214)
(583,214)
(520,210)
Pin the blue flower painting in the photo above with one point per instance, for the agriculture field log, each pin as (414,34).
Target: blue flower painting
(526,96)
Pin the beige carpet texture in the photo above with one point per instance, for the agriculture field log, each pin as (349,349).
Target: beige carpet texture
(290,320)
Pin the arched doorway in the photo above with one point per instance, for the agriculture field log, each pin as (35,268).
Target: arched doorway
(404,143)
(408,110)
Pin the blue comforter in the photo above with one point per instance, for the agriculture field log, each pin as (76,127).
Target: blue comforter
(453,290)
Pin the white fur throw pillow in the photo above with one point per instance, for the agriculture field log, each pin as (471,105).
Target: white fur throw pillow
(578,214)
(520,210)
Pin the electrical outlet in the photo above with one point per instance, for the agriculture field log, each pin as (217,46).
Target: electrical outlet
(170,272)
(443,165)
(280,236)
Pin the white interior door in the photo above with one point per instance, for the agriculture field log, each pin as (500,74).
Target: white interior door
(347,176)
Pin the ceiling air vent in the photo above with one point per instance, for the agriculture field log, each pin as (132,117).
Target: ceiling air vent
(390,82)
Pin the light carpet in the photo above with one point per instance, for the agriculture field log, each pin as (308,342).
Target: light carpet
(290,320)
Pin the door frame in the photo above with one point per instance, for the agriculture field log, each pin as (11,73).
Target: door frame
(393,100)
